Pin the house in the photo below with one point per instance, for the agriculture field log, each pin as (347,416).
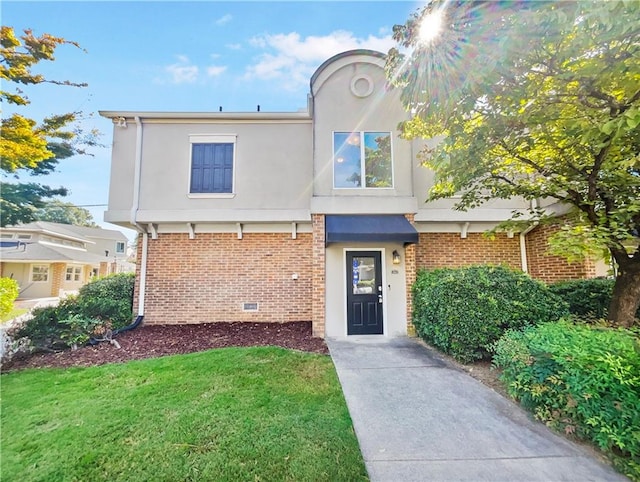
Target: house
(313,215)
(52,259)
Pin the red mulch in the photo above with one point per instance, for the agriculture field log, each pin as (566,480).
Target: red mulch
(160,340)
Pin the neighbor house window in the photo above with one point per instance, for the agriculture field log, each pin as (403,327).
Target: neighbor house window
(39,273)
(119,247)
(362,160)
(74,273)
(212,164)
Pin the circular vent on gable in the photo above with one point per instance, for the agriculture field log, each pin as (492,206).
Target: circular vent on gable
(361,85)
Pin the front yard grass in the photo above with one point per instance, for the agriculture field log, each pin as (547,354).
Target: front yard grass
(227,414)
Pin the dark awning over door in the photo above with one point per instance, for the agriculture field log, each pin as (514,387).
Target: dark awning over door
(373,228)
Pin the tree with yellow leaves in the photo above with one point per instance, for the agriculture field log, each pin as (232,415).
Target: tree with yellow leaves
(27,146)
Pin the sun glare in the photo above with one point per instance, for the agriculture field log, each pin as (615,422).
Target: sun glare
(430,27)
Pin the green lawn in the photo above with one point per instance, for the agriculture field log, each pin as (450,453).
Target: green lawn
(259,414)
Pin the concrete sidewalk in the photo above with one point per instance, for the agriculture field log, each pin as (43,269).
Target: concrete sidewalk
(419,419)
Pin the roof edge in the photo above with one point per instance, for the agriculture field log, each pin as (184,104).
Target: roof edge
(348,53)
(303,115)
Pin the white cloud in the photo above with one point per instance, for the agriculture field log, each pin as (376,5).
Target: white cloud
(183,72)
(224,19)
(293,59)
(234,46)
(215,70)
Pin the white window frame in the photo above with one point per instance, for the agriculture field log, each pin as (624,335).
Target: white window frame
(75,276)
(362,161)
(124,247)
(46,273)
(213,139)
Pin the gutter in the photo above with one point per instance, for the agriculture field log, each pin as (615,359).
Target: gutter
(523,241)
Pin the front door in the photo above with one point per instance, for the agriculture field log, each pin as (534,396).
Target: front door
(364,293)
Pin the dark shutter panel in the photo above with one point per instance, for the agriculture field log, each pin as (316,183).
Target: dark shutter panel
(197,167)
(212,168)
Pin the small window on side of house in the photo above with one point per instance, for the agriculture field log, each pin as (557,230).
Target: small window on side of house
(120,247)
(212,164)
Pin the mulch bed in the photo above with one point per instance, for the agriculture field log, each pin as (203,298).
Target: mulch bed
(160,340)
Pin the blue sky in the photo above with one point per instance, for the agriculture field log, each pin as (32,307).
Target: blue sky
(186,56)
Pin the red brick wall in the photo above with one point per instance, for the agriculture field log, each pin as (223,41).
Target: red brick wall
(410,278)
(207,279)
(449,250)
(549,268)
(318,288)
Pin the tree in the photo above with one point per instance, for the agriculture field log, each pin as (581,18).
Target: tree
(539,100)
(27,146)
(66,213)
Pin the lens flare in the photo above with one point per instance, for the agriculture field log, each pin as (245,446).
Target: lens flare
(430,27)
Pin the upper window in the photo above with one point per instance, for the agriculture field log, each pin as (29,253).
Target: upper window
(362,160)
(119,247)
(212,159)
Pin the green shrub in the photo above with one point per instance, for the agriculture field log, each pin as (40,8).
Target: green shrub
(587,298)
(463,311)
(77,329)
(580,379)
(109,299)
(44,330)
(9,291)
(103,304)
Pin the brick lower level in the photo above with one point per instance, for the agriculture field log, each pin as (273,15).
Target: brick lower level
(209,278)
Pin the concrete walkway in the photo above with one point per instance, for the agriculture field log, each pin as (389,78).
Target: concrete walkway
(419,419)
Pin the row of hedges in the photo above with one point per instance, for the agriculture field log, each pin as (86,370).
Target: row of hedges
(102,305)
(581,380)
(464,311)
(587,298)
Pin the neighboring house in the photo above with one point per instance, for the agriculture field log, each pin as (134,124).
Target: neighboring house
(51,259)
(316,215)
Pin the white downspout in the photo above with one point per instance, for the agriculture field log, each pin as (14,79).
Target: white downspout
(135,205)
(143,273)
(523,241)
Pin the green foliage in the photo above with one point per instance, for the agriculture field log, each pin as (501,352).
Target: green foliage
(102,304)
(78,329)
(463,311)
(9,291)
(587,298)
(581,380)
(66,213)
(109,299)
(26,145)
(20,201)
(44,330)
(233,414)
(540,101)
